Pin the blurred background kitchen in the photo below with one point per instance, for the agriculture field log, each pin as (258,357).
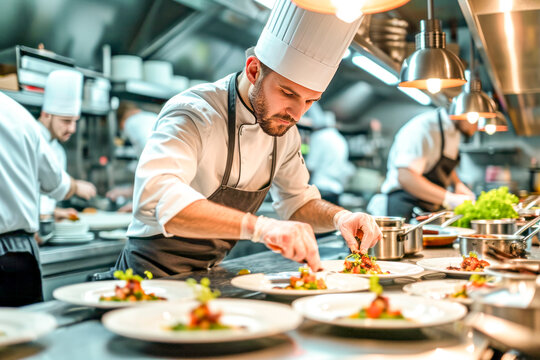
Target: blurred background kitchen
(136,54)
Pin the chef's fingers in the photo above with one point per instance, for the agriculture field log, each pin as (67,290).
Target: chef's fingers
(312,256)
(349,238)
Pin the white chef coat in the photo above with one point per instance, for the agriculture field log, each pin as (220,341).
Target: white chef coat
(417,146)
(27,167)
(138,128)
(328,160)
(48,202)
(185,157)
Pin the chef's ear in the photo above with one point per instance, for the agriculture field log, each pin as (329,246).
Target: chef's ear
(253,69)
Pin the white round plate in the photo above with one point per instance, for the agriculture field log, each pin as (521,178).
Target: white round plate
(419,311)
(397,269)
(106,220)
(438,289)
(18,326)
(88,294)
(118,234)
(71,239)
(440,264)
(266,283)
(68,227)
(254,319)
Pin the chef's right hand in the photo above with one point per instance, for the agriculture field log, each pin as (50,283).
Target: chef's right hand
(294,240)
(85,189)
(451,200)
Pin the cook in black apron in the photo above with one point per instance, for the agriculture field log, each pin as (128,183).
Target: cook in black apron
(20,271)
(164,256)
(401,202)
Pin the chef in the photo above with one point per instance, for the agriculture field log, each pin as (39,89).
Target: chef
(28,166)
(136,125)
(421,165)
(328,158)
(58,121)
(218,148)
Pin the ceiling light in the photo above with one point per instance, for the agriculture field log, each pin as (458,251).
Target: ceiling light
(371,67)
(472,103)
(349,10)
(432,66)
(493,125)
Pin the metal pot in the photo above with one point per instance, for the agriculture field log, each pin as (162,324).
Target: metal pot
(389,221)
(515,244)
(46,228)
(395,239)
(414,239)
(498,226)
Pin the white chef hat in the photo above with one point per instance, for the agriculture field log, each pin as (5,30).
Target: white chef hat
(303,46)
(63,93)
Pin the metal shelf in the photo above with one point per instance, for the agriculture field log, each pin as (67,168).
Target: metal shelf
(142,91)
(34,99)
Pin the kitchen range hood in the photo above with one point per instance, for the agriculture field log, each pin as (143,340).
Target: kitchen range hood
(509,34)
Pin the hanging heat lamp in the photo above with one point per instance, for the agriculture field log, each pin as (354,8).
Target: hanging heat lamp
(492,125)
(349,10)
(432,67)
(472,103)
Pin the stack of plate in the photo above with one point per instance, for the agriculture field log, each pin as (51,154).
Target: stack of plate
(71,232)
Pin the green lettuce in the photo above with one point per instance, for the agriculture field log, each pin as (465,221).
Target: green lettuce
(494,204)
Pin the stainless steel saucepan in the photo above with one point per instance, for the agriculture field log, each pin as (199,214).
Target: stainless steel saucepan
(516,244)
(399,240)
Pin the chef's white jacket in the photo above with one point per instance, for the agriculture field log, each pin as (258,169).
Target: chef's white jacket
(138,128)
(27,166)
(185,157)
(417,146)
(48,202)
(328,160)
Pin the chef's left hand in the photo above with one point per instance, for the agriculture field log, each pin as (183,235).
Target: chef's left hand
(461,188)
(351,223)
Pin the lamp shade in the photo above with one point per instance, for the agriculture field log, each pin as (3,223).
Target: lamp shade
(472,101)
(494,124)
(366,6)
(432,66)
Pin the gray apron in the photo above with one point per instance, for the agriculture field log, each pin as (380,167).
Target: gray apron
(401,202)
(165,256)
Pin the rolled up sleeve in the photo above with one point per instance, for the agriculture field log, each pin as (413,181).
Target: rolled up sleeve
(290,189)
(166,168)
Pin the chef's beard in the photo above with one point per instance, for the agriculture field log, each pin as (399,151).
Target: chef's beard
(269,124)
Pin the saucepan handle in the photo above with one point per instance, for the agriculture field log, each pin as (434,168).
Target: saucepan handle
(435,216)
(527,225)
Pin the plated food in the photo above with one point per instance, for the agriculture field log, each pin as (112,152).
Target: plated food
(419,312)
(104,294)
(202,317)
(449,289)
(379,307)
(389,269)
(447,265)
(132,289)
(294,284)
(362,264)
(470,263)
(18,326)
(306,281)
(245,319)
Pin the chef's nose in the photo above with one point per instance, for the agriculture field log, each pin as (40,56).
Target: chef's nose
(72,127)
(296,111)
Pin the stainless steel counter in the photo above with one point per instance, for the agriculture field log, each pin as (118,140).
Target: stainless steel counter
(62,265)
(80,334)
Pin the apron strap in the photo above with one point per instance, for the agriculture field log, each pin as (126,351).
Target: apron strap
(442,132)
(231,128)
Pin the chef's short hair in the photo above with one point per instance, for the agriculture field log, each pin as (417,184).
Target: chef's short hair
(265,70)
